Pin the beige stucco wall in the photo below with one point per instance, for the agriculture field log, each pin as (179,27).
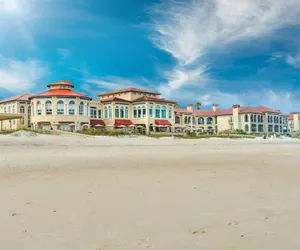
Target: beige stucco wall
(130,96)
(51,120)
(14,108)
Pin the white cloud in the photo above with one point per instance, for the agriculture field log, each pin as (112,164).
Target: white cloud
(20,76)
(294,61)
(189,31)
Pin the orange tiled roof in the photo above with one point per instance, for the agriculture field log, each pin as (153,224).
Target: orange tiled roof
(61,93)
(183,111)
(117,99)
(152,99)
(22,97)
(129,90)
(61,82)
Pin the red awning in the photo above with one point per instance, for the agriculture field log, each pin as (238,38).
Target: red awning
(162,122)
(94,122)
(122,122)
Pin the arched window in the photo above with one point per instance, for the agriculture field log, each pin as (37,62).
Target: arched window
(164,112)
(9,109)
(22,109)
(246,128)
(186,120)
(71,108)
(261,118)
(189,120)
(134,112)
(39,108)
(105,112)
(144,111)
(117,112)
(201,120)
(170,113)
(5,110)
(122,113)
(258,118)
(81,108)
(126,112)
(280,120)
(252,118)
(177,119)
(246,118)
(60,109)
(271,119)
(48,108)
(209,120)
(109,112)
(151,111)
(157,111)
(13,109)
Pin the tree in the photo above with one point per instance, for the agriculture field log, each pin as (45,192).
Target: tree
(176,106)
(198,105)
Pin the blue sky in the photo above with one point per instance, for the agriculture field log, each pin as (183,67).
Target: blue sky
(214,51)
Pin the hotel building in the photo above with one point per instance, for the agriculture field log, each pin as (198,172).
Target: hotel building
(61,108)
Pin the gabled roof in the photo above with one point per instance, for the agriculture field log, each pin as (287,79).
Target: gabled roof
(61,93)
(152,99)
(114,99)
(22,98)
(130,90)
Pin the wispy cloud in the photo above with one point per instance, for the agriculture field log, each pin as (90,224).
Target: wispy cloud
(189,31)
(20,76)
(64,53)
(294,61)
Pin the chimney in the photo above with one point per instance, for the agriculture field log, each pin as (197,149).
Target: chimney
(215,107)
(235,116)
(189,107)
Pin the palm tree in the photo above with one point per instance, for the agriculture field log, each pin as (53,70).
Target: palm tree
(198,105)
(176,106)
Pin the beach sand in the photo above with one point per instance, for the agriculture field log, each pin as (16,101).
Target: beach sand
(87,193)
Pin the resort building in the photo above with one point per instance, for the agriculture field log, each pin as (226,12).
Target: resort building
(60,108)
(249,119)
(15,112)
(137,108)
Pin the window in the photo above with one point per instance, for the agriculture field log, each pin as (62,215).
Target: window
(139,111)
(186,120)
(81,108)
(117,112)
(5,110)
(157,111)
(170,113)
(144,111)
(122,113)
(151,111)
(134,112)
(252,118)
(13,109)
(39,108)
(209,120)
(60,108)
(22,109)
(99,113)
(246,128)
(126,112)
(177,119)
(71,108)
(258,118)
(164,112)
(262,119)
(105,112)
(109,112)
(48,108)
(93,112)
(201,120)
(9,109)
(246,118)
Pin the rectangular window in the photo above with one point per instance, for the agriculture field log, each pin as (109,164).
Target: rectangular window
(151,112)
(170,113)
(163,114)
(157,113)
(126,113)
(134,113)
(144,112)
(93,112)
(139,113)
(99,113)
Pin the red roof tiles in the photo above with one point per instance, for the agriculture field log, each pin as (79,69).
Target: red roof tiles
(61,82)
(22,97)
(183,111)
(114,99)
(61,93)
(152,99)
(130,90)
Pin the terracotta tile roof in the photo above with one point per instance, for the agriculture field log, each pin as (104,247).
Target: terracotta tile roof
(94,122)
(162,122)
(124,122)
(183,111)
(60,92)
(152,99)
(22,97)
(61,82)
(114,99)
(265,110)
(129,90)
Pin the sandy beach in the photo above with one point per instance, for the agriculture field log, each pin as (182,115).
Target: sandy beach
(88,193)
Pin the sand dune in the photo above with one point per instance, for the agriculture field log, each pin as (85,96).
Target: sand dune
(87,193)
